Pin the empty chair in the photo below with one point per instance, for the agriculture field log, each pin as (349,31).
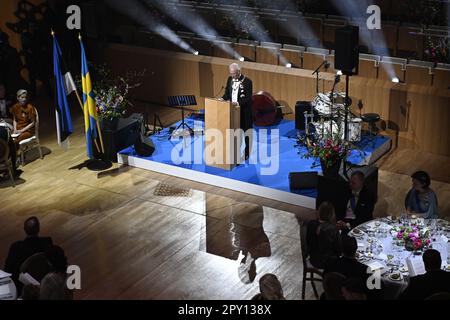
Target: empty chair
(32,142)
(5,162)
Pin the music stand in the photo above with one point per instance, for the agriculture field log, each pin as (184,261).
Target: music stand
(183,101)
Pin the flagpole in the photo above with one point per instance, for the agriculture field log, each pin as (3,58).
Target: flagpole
(100,136)
(81,106)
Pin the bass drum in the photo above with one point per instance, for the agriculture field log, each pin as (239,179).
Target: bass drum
(265,109)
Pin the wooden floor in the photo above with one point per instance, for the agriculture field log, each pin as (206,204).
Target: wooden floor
(133,242)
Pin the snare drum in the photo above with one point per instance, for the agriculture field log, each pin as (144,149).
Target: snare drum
(322,104)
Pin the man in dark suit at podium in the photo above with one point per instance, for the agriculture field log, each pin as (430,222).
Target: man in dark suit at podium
(239,91)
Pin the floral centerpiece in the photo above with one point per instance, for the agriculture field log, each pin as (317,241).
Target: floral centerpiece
(331,153)
(415,238)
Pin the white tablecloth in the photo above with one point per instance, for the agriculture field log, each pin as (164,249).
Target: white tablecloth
(376,242)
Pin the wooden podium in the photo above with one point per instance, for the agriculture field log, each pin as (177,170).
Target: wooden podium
(219,117)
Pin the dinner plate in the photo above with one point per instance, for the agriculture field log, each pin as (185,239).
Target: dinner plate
(395,277)
(403,269)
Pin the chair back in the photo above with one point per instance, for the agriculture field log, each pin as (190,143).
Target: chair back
(36,266)
(4,151)
(304,245)
(439,296)
(36,125)
(332,284)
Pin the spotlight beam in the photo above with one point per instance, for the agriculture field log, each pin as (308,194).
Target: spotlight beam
(135,10)
(192,21)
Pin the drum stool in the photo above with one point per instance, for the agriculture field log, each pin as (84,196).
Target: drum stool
(371,119)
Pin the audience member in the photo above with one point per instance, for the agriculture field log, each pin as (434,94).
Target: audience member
(358,205)
(6,136)
(270,288)
(54,284)
(24,117)
(421,200)
(322,236)
(347,264)
(433,281)
(4,106)
(21,250)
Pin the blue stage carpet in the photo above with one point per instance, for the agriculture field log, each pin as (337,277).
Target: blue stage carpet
(290,159)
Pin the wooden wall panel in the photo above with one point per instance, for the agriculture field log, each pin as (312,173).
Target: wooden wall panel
(311,60)
(267,55)
(294,57)
(219,51)
(418,75)
(420,113)
(247,51)
(441,79)
(387,71)
(368,69)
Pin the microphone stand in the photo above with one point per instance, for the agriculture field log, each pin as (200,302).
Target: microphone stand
(316,72)
(337,79)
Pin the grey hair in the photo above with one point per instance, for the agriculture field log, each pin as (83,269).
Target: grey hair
(235,66)
(21,92)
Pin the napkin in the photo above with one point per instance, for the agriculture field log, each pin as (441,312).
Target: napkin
(375,265)
(3,274)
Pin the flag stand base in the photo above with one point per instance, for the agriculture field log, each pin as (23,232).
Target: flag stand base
(98,164)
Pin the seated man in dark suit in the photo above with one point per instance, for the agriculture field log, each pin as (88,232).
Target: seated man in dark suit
(22,250)
(358,204)
(434,281)
(347,264)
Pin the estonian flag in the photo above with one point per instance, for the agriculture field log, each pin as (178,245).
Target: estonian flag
(64,86)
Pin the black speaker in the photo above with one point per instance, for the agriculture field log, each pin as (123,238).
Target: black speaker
(303,180)
(347,50)
(300,108)
(124,136)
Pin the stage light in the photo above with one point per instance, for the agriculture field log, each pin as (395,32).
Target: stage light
(142,16)
(195,53)
(192,21)
(395,80)
(241,59)
(339,73)
(288,65)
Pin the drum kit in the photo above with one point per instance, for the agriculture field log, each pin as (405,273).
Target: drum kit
(331,119)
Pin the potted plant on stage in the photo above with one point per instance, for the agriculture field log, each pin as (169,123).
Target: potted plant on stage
(329,153)
(111,94)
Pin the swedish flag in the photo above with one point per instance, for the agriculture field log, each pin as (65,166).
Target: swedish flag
(89,108)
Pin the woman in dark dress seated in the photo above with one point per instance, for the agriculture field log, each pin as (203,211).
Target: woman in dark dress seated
(322,236)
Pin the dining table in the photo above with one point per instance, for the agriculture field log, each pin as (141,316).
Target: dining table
(387,251)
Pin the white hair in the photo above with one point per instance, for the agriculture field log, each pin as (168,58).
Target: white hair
(235,66)
(21,92)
